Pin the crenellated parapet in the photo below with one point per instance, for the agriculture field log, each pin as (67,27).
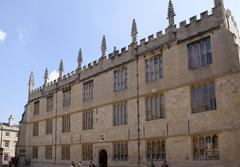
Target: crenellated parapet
(206,22)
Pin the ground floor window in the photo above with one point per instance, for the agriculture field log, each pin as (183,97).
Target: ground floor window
(205,147)
(48,152)
(156,149)
(120,150)
(66,152)
(35,152)
(87,152)
(5,157)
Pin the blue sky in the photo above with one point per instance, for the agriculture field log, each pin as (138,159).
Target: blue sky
(35,34)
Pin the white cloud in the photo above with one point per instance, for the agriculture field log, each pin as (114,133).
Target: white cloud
(2,36)
(20,36)
(53,75)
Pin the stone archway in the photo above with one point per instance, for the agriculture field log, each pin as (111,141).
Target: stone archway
(103,158)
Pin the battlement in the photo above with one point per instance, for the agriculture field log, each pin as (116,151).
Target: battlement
(206,22)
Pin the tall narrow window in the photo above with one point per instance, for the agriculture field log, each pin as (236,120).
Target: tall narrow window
(88,90)
(49,103)
(120,114)
(36,108)
(66,123)
(205,147)
(88,120)
(35,152)
(48,152)
(156,149)
(87,152)
(120,79)
(155,107)
(49,126)
(203,97)
(154,68)
(120,150)
(67,98)
(35,128)
(199,53)
(66,152)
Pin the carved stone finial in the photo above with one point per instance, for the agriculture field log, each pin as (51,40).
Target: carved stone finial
(134,31)
(45,76)
(31,81)
(61,69)
(80,60)
(104,46)
(171,13)
(114,51)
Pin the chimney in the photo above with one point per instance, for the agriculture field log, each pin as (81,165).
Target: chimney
(10,120)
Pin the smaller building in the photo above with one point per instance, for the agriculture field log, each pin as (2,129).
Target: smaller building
(8,139)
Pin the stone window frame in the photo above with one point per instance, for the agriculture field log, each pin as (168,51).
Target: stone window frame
(67,97)
(154,67)
(159,106)
(48,152)
(88,87)
(120,79)
(205,144)
(35,152)
(35,129)
(120,150)
(203,96)
(7,134)
(36,107)
(66,152)
(88,120)
(120,109)
(49,126)
(66,123)
(87,152)
(199,53)
(50,103)
(157,152)
(5,157)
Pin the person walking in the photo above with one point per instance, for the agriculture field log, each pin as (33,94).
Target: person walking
(79,164)
(73,164)
(91,164)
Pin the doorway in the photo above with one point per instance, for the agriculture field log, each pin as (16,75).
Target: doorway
(103,158)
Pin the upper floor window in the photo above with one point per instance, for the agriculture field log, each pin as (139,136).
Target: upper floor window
(120,79)
(48,152)
(88,90)
(205,147)
(199,53)
(66,123)
(203,97)
(87,120)
(120,114)
(36,108)
(6,143)
(49,103)
(154,68)
(35,128)
(49,126)
(120,150)
(156,149)
(7,134)
(87,152)
(35,152)
(66,152)
(155,107)
(5,157)
(66,98)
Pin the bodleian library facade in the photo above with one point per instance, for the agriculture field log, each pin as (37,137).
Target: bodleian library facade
(173,97)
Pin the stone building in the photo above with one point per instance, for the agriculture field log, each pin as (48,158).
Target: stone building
(8,139)
(174,96)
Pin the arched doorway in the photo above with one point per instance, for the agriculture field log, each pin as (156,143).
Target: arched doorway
(103,158)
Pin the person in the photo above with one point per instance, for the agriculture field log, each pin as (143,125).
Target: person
(91,164)
(165,164)
(151,164)
(79,164)
(72,165)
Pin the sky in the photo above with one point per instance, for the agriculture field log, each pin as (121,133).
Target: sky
(35,34)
